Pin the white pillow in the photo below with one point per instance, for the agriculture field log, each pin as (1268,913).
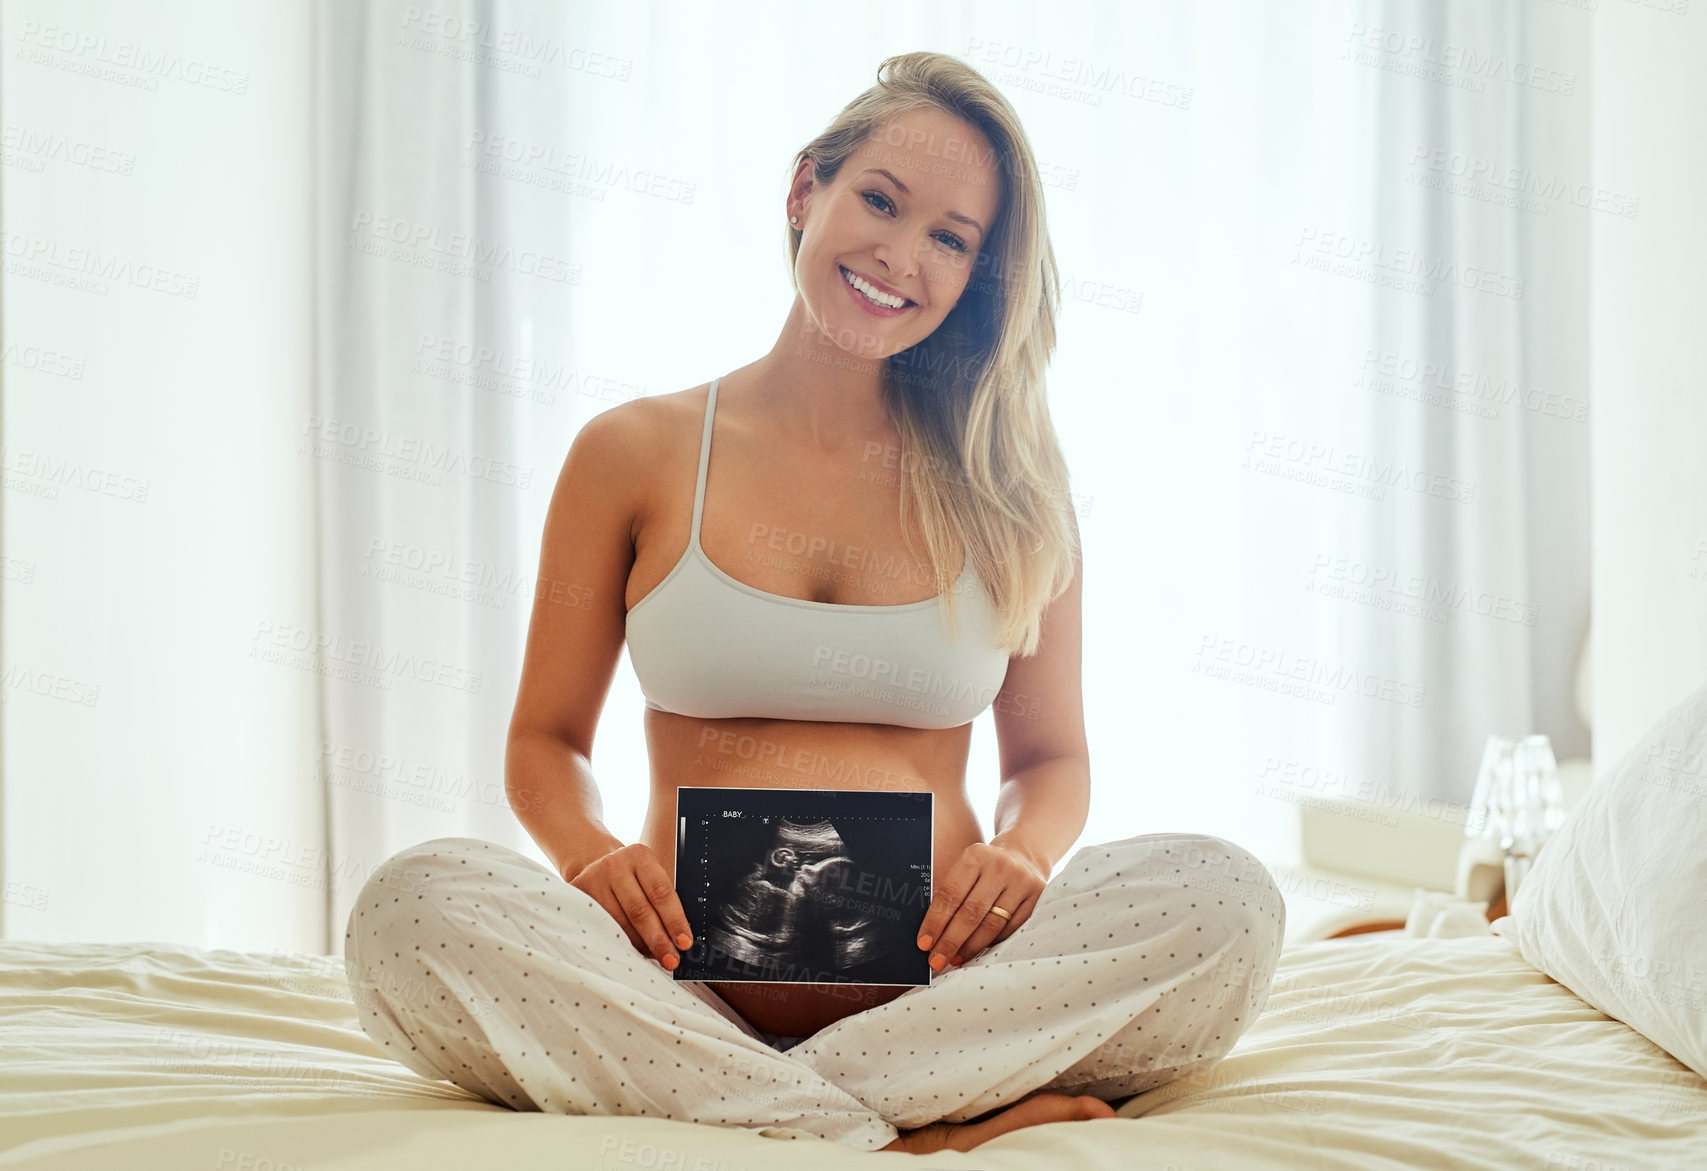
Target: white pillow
(1615,904)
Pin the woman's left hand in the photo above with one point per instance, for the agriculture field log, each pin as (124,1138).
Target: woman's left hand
(959,924)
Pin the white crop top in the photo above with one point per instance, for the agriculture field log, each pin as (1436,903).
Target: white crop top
(706,645)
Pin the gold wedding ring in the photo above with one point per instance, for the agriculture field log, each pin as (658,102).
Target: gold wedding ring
(999,911)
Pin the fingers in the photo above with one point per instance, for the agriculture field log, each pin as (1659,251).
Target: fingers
(953,915)
(662,894)
(994,928)
(967,917)
(958,923)
(950,892)
(637,905)
(636,892)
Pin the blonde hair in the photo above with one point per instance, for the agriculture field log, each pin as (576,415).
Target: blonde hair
(979,454)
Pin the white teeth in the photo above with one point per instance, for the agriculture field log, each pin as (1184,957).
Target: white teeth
(875,296)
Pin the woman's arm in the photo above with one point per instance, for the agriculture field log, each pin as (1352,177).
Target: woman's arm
(1042,810)
(574,639)
(1040,733)
(550,786)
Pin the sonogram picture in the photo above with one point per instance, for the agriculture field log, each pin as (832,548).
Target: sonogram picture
(804,885)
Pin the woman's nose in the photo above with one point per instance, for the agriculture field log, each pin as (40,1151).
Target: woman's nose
(899,256)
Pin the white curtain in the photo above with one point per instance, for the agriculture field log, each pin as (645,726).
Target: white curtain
(525,213)
(444,400)
(156,527)
(1473,383)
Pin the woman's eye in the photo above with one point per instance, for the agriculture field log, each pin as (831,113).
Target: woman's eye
(952,241)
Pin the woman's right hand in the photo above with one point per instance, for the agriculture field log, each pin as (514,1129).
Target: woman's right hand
(632,885)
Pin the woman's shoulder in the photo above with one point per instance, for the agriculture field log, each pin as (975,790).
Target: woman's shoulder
(642,430)
(638,450)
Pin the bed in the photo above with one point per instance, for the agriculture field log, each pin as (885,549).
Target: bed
(1376,1050)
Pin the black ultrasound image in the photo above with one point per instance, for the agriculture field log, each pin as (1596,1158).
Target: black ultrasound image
(801,886)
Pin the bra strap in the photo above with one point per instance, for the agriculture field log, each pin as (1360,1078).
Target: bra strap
(704,461)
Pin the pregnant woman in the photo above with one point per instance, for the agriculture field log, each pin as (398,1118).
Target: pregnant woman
(825,565)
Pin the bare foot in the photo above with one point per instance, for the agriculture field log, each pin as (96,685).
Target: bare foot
(963,1136)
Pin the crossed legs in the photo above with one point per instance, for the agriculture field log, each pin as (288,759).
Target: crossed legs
(1143,961)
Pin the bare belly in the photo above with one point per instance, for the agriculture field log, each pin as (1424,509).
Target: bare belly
(727,754)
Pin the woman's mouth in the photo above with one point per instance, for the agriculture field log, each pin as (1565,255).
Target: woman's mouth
(872,299)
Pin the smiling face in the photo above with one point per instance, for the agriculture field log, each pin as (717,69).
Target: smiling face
(887,248)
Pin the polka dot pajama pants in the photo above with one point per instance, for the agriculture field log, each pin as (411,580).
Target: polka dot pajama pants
(1143,961)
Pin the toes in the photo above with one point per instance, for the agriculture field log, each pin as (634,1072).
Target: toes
(1095,1107)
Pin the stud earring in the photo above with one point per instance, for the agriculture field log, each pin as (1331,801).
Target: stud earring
(793,219)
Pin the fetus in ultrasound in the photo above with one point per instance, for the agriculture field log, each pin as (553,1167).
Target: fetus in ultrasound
(796,911)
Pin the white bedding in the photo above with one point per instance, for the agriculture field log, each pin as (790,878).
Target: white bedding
(1374,1051)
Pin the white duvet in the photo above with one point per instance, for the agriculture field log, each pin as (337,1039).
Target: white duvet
(1374,1051)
